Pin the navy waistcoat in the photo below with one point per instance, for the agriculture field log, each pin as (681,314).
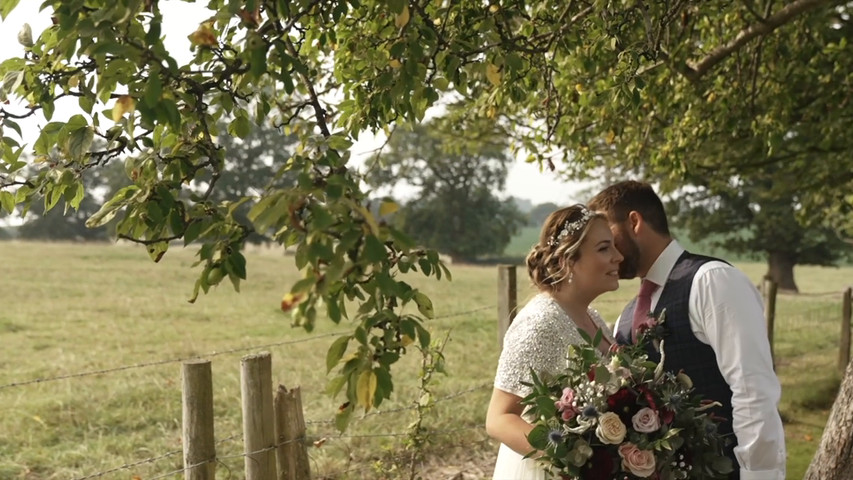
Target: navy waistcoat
(684,352)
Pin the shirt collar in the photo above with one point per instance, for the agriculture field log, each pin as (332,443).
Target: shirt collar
(659,271)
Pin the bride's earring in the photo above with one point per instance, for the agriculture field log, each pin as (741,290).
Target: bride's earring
(571,275)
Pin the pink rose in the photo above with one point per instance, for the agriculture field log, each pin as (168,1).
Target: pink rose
(564,404)
(639,462)
(646,420)
(568,397)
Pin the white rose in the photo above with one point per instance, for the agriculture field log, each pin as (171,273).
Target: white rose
(610,429)
(646,420)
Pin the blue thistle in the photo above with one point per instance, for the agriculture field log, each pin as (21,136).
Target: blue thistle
(555,437)
(589,411)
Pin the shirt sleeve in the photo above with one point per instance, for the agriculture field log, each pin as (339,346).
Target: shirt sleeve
(726,312)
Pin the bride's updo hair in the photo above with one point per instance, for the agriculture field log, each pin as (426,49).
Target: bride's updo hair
(559,242)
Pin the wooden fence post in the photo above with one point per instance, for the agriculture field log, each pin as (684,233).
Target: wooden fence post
(291,453)
(846,309)
(258,418)
(507,299)
(769,289)
(197,431)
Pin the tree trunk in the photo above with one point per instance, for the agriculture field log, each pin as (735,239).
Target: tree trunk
(834,457)
(780,269)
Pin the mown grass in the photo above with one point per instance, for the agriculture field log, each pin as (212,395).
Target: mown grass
(67,309)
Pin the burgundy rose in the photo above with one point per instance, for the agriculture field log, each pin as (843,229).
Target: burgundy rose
(624,404)
(650,398)
(600,466)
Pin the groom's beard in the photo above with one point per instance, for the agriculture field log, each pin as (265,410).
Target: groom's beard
(631,253)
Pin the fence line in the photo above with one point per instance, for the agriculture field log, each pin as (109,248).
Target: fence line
(201,356)
(219,459)
(816,294)
(165,362)
(149,460)
(466,312)
(403,409)
(820,308)
(131,465)
(334,436)
(328,437)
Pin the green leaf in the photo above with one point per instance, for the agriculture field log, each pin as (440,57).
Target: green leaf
(258,64)
(602,375)
(339,142)
(237,262)
(157,250)
(109,210)
(153,90)
(86,103)
(333,310)
(321,217)
(722,465)
(77,195)
(424,304)
(80,141)
(336,352)
(192,232)
(342,418)
(11,81)
(424,336)
(374,251)
(334,386)
(538,437)
(6,6)
(7,201)
(240,127)
(267,212)
(384,384)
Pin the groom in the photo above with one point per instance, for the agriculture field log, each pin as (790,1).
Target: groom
(714,320)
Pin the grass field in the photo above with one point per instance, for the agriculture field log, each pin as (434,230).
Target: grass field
(70,309)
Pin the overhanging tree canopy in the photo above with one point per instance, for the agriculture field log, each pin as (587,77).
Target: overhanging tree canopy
(649,83)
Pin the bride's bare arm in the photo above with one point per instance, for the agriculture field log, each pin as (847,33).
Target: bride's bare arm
(504,422)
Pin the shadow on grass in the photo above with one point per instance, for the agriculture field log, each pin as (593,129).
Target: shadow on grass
(816,394)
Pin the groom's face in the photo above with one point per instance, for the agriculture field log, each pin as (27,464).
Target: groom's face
(628,248)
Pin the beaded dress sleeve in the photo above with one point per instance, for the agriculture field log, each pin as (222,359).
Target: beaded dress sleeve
(537,340)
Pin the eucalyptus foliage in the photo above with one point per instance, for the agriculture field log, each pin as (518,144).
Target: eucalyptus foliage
(649,83)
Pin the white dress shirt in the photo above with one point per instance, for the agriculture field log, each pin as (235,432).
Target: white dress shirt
(726,312)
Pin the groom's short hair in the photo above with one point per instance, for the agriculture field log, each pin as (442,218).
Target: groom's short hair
(619,199)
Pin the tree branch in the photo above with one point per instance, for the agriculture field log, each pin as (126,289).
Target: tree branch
(695,70)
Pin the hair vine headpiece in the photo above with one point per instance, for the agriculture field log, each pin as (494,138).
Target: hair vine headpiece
(569,228)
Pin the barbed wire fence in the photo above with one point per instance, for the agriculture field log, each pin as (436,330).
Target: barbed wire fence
(321,437)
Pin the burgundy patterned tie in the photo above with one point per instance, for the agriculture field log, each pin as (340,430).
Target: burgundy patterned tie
(643,306)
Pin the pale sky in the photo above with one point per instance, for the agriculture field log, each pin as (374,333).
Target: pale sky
(181,18)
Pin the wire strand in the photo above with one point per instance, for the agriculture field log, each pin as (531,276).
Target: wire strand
(163,362)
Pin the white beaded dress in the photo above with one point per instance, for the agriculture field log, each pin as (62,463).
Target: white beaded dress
(537,339)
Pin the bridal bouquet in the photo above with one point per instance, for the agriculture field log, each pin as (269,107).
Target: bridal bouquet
(623,417)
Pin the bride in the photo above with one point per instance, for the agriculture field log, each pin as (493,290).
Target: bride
(574,262)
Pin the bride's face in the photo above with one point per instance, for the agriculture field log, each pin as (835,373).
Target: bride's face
(597,268)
